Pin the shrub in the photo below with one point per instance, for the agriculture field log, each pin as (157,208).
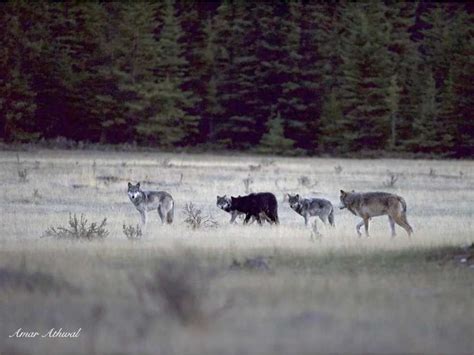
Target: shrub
(391,179)
(132,233)
(79,229)
(195,219)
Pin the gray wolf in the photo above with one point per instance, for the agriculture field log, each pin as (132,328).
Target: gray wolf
(372,204)
(145,201)
(262,205)
(309,207)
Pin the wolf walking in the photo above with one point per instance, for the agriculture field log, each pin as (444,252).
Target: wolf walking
(145,201)
(225,203)
(372,204)
(256,206)
(309,207)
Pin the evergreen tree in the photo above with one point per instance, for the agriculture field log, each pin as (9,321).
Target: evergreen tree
(332,138)
(366,67)
(274,141)
(237,128)
(165,118)
(405,63)
(426,122)
(309,68)
(463,85)
(17,99)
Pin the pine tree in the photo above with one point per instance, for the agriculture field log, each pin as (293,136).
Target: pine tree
(425,125)
(308,68)
(366,66)
(405,63)
(236,26)
(17,98)
(274,140)
(333,135)
(165,117)
(463,85)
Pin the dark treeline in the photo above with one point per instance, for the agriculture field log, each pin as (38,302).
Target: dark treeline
(282,77)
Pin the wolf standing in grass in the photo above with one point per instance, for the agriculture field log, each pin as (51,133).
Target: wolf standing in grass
(145,201)
(372,204)
(308,207)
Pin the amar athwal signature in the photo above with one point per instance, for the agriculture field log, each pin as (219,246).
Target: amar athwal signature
(52,333)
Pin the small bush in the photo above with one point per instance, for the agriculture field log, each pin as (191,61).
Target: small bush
(79,229)
(22,172)
(195,219)
(391,179)
(338,169)
(132,233)
(247,184)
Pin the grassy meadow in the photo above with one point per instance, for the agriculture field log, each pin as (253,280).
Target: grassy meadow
(233,289)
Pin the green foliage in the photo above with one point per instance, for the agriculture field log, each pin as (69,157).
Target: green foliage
(344,76)
(274,141)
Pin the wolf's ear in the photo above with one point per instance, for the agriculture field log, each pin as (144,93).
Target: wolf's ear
(138,184)
(342,192)
(297,195)
(129,184)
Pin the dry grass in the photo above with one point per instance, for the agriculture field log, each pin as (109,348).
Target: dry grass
(182,290)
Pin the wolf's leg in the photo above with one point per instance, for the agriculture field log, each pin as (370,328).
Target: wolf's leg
(265,217)
(162,214)
(306,219)
(143,216)
(252,219)
(392,225)
(366,225)
(247,218)
(315,228)
(233,216)
(170,215)
(360,224)
(323,218)
(331,217)
(402,222)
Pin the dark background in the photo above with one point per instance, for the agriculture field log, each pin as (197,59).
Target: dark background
(282,77)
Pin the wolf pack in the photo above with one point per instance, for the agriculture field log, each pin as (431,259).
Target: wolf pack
(263,207)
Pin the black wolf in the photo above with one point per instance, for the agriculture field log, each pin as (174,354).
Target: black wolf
(257,205)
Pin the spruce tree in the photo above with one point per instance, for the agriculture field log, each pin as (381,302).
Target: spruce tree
(425,125)
(17,98)
(236,127)
(274,141)
(333,123)
(165,119)
(366,67)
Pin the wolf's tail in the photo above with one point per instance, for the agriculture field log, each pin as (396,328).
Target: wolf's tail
(404,204)
(170,214)
(331,217)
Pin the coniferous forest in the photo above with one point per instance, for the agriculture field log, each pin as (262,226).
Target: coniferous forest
(282,77)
